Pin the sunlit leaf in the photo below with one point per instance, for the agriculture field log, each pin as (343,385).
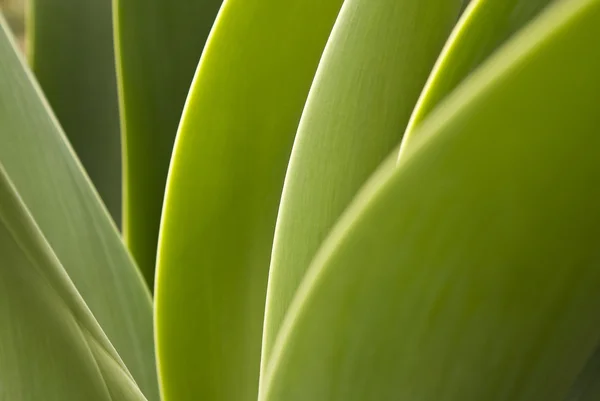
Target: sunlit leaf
(223,192)
(470,271)
(484,26)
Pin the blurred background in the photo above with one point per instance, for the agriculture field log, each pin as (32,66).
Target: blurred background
(14,12)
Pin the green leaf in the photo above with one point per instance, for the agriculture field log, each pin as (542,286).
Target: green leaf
(587,385)
(56,191)
(70,51)
(484,26)
(159,43)
(51,346)
(470,271)
(223,193)
(369,79)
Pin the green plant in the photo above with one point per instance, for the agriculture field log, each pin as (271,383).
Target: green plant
(365,200)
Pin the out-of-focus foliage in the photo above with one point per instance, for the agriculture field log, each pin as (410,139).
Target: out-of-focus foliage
(50,181)
(14,12)
(71,41)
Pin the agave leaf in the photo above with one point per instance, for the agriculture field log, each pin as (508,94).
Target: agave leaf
(223,192)
(484,26)
(470,271)
(70,50)
(51,346)
(69,213)
(374,67)
(159,43)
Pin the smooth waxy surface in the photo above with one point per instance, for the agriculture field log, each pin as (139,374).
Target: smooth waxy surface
(470,271)
(373,69)
(223,193)
(482,29)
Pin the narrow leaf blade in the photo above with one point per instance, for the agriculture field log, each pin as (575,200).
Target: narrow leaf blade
(69,213)
(51,347)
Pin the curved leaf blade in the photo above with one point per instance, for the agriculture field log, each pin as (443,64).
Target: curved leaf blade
(70,215)
(51,346)
(463,274)
(369,79)
(223,192)
(158,45)
(484,26)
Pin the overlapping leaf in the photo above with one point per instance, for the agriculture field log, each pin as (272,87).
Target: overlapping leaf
(375,65)
(484,26)
(159,43)
(51,347)
(470,271)
(223,192)
(69,213)
(70,50)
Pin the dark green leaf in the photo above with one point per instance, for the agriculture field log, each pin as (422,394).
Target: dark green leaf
(71,53)
(159,43)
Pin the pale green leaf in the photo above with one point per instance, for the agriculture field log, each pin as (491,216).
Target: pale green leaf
(51,347)
(56,191)
(470,271)
(70,50)
(484,26)
(159,43)
(223,192)
(374,67)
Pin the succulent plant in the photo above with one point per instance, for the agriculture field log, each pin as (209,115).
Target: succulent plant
(322,200)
